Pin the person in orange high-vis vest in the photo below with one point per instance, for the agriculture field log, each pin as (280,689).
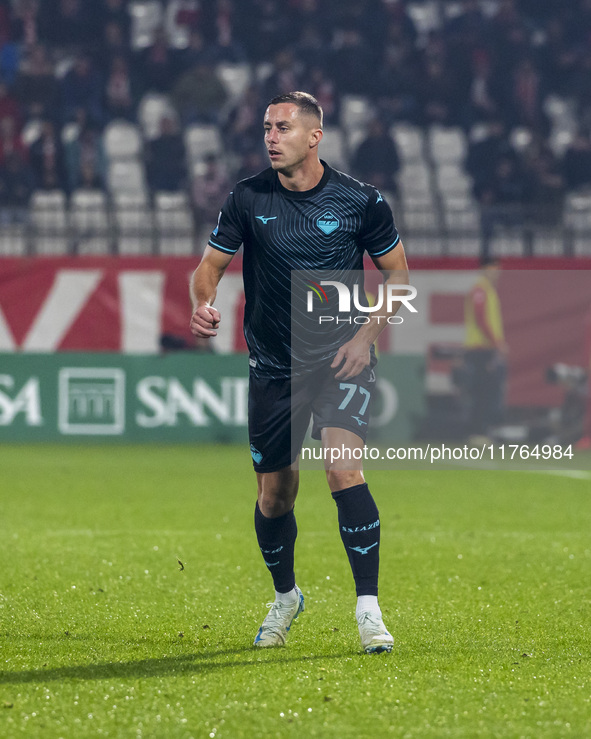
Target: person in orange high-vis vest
(485,352)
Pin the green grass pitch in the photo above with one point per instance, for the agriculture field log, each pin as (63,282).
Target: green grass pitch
(484,584)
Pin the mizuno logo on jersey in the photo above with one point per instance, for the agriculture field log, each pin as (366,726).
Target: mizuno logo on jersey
(379,199)
(359,421)
(328,223)
(265,219)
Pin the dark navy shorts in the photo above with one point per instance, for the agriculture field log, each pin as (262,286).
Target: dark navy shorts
(279,412)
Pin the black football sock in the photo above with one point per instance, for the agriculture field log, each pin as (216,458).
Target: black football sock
(276,537)
(359,524)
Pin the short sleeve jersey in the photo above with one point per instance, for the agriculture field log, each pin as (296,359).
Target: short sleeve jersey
(325,229)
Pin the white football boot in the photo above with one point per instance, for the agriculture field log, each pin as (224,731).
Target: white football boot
(276,625)
(374,634)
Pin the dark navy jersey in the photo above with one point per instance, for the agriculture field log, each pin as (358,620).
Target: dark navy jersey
(323,230)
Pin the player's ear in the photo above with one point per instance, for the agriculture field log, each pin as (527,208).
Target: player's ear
(315,137)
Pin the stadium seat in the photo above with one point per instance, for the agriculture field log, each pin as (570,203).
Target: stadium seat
(31,131)
(13,240)
(452,181)
(507,243)
(235,78)
(122,140)
(548,242)
(425,15)
(463,246)
(146,17)
(423,221)
(333,147)
(461,216)
(355,113)
(178,33)
(126,176)
(447,145)
(174,223)
(425,245)
(201,140)
(134,224)
(49,222)
(414,183)
(409,140)
(152,109)
(89,221)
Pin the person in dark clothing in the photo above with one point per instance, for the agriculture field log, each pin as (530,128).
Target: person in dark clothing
(376,159)
(165,157)
(577,162)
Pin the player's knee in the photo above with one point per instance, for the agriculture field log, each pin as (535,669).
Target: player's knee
(273,506)
(277,492)
(343,479)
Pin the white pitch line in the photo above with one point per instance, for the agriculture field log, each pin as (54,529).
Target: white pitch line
(574,474)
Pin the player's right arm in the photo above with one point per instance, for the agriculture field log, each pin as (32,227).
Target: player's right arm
(204,282)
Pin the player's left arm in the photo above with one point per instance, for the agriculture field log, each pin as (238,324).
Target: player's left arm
(355,354)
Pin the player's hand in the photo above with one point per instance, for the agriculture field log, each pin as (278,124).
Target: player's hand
(354,357)
(204,321)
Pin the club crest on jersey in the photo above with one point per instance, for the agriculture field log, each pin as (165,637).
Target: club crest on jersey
(328,223)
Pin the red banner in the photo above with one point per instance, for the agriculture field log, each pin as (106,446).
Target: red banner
(128,304)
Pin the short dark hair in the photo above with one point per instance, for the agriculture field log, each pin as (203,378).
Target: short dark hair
(306,102)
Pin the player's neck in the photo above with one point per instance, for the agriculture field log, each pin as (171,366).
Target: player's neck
(305,177)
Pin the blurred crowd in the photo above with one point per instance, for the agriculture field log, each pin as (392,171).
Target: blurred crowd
(488,67)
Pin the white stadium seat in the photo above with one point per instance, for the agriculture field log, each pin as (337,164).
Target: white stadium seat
(122,140)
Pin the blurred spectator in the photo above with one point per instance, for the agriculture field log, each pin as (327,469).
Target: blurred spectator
(11,141)
(16,186)
(67,24)
(25,22)
(113,44)
(376,159)
(396,82)
(485,152)
(166,158)
(82,91)
(5,22)
(121,94)
(115,12)
(36,87)
(501,199)
(252,163)
(351,62)
(265,27)
(242,130)
(287,75)
(556,58)
(86,161)
(544,184)
(483,93)
(199,95)
(312,47)
(46,158)
(158,64)
(228,48)
(439,100)
(9,107)
(526,98)
(324,90)
(577,162)
(209,190)
(197,52)
(582,88)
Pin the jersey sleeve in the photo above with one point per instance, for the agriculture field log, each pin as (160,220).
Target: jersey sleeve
(378,234)
(228,235)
